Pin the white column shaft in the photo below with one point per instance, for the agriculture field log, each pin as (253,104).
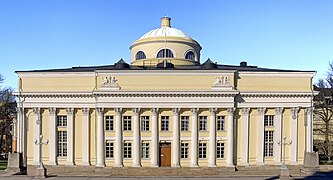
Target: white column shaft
(85,137)
(37,131)
(119,140)
(230,138)
(70,137)
(175,139)
(309,130)
(194,138)
(154,138)
(19,129)
(245,137)
(136,142)
(100,138)
(53,137)
(277,149)
(260,155)
(212,139)
(293,136)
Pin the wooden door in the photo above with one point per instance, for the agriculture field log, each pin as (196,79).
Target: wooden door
(165,154)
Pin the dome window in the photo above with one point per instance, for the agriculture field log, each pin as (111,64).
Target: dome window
(140,55)
(165,53)
(190,55)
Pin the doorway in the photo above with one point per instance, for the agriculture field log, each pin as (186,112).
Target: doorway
(165,155)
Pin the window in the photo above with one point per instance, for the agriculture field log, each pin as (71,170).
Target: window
(145,150)
(61,120)
(109,123)
(220,150)
(128,150)
(185,123)
(268,149)
(184,151)
(127,123)
(140,55)
(62,143)
(165,53)
(220,123)
(190,55)
(165,123)
(202,150)
(144,123)
(109,150)
(269,120)
(202,123)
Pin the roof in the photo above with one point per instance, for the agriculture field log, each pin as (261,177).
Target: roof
(166,32)
(207,65)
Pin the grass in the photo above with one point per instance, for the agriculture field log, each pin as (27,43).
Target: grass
(3,164)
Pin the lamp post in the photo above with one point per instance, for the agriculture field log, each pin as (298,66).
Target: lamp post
(284,172)
(41,171)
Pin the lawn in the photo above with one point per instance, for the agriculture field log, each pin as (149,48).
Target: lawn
(3,164)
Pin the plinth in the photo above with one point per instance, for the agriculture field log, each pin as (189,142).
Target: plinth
(284,173)
(41,172)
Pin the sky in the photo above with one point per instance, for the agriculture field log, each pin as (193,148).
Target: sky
(282,34)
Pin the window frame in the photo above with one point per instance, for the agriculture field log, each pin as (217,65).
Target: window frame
(140,55)
(62,121)
(268,143)
(109,150)
(203,123)
(185,123)
(165,53)
(109,123)
(187,54)
(145,150)
(220,123)
(184,150)
(202,154)
(269,120)
(127,150)
(145,122)
(127,120)
(165,123)
(62,140)
(220,150)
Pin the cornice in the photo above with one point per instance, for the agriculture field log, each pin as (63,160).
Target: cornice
(276,94)
(55,74)
(308,74)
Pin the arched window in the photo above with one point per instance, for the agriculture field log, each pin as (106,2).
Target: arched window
(140,55)
(190,55)
(165,53)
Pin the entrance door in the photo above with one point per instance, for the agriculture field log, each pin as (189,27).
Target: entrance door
(165,154)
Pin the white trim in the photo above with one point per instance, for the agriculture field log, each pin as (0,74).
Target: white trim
(278,74)
(172,72)
(54,74)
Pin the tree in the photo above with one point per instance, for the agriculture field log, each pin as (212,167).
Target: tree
(7,111)
(323,124)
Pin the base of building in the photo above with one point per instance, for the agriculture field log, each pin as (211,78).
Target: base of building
(40,172)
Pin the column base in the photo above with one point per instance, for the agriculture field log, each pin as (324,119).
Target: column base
(212,165)
(293,163)
(85,163)
(118,165)
(154,165)
(40,172)
(231,165)
(136,165)
(260,163)
(194,165)
(52,163)
(244,164)
(278,163)
(100,165)
(69,163)
(176,165)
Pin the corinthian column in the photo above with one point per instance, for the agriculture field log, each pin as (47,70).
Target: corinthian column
(100,138)
(70,137)
(194,138)
(154,138)
(136,142)
(176,138)
(309,142)
(230,139)
(53,137)
(85,136)
(245,136)
(212,138)
(119,139)
(277,150)
(260,155)
(293,135)
(37,133)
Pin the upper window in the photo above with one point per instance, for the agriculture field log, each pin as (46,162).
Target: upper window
(127,123)
(165,123)
(269,120)
(144,123)
(61,120)
(165,53)
(202,123)
(140,55)
(185,123)
(190,55)
(109,123)
(220,123)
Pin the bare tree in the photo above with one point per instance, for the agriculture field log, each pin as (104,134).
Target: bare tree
(323,124)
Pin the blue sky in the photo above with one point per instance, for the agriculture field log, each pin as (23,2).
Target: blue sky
(284,34)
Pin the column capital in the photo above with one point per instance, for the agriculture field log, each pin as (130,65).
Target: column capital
(278,110)
(154,111)
(69,111)
(245,111)
(308,110)
(100,111)
(261,110)
(230,111)
(85,111)
(19,110)
(36,110)
(136,111)
(52,110)
(294,112)
(212,111)
(176,111)
(118,111)
(194,111)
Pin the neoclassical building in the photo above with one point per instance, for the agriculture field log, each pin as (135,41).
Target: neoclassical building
(165,108)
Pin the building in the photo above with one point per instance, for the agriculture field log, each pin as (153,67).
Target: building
(165,108)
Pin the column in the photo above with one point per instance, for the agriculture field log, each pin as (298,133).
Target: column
(212,138)
(85,137)
(230,138)
(194,138)
(175,138)
(154,138)
(136,142)
(37,132)
(309,129)
(277,150)
(261,129)
(100,138)
(20,129)
(245,137)
(53,136)
(293,135)
(70,136)
(14,137)
(119,139)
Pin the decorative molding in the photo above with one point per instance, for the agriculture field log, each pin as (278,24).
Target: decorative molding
(212,111)
(230,111)
(294,112)
(36,110)
(136,111)
(222,83)
(100,111)
(154,111)
(52,110)
(110,82)
(175,111)
(70,111)
(85,111)
(278,74)
(278,111)
(275,94)
(118,111)
(194,111)
(261,111)
(245,111)
(308,110)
